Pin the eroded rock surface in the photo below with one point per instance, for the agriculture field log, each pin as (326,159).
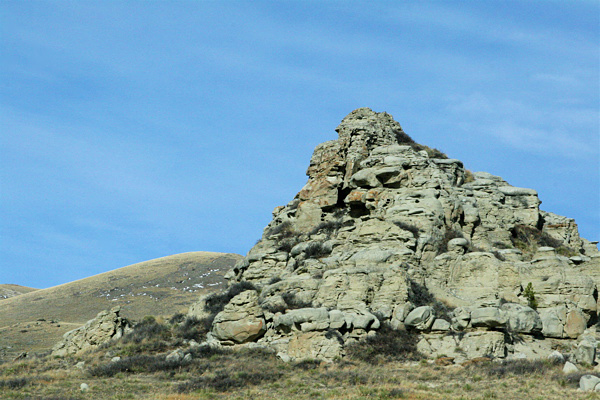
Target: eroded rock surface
(107,326)
(387,231)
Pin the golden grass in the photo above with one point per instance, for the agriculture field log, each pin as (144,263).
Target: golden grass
(35,321)
(274,379)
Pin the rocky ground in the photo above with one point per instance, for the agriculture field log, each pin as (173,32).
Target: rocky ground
(158,360)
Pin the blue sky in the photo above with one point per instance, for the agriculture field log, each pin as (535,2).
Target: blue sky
(132,130)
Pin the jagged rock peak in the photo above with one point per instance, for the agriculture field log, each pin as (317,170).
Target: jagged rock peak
(366,129)
(388,232)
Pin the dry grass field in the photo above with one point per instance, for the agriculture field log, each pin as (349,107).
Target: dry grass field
(35,321)
(8,290)
(253,374)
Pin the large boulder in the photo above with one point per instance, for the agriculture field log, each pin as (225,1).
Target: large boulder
(522,319)
(420,318)
(241,321)
(107,326)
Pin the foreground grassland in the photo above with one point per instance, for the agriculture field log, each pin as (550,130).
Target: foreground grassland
(254,374)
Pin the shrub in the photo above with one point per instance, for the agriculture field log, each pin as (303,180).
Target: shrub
(574,378)
(316,250)
(177,318)
(287,244)
(386,345)
(449,234)
(421,296)
(327,227)
(215,303)
(308,363)
(514,367)
(528,239)
(148,330)
(136,364)
(13,383)
(408,227)
(469,176)
(529,294)
(293,302)
(224,380)
(192,328)
(284,230)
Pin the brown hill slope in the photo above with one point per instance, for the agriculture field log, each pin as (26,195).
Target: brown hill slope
(8,290)
(161,287)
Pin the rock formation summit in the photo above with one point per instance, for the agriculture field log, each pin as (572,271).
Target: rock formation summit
(390,233)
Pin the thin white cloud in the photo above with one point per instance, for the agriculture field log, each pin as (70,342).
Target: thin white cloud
(552,130)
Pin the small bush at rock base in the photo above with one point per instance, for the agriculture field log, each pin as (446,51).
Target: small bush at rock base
(148,330)
(513,367)
(284,230)
(192,328)
(215,303)
(135,364)
(327,227)
(421,296)
(449,234)
(387,345)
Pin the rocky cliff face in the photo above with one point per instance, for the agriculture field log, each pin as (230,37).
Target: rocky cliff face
(390,232)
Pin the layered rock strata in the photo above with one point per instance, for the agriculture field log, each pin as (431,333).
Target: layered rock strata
(387,231)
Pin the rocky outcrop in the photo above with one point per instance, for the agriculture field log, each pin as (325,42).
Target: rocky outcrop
(388,231)
(107,326)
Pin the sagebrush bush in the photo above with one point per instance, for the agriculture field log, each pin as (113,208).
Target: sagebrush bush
(215,303)
(386,345)
(193,328)
(293,302)
(528,239)
(136,364)
(408,227)
(14,383)
(519,367)
(284,230)
(224,381)
(149,330)
(287,244)
(449,234)
(316,250)
(327,227)
(421,296)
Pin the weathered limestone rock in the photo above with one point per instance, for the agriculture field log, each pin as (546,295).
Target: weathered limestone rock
(569,368)
(586,352)
(384,230)
(420,318)
(241,320)
(491,317)
(588,383)
(107,326)
(522,319)
(464,347)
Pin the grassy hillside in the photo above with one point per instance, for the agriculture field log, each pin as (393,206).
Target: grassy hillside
(36,320)
(8,290)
